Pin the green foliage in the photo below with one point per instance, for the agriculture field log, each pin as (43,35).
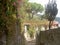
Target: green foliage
(6,10)
(51,10)
(10,7)
(36,7)
(31,32)
(28,9)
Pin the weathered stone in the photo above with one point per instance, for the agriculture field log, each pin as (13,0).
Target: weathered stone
(49,37)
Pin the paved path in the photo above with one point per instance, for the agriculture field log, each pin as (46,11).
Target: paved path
(32,42)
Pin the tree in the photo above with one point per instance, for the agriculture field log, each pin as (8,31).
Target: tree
(29,9)
(10,25)
(6,9)
(34,8)
(51,11)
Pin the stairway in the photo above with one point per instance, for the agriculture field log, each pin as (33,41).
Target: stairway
(32,42)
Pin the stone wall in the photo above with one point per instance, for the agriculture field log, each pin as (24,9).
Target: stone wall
(48,37)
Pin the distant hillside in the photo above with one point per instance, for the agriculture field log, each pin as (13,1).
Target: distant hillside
(57,19)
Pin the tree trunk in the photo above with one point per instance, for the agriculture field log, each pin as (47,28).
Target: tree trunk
(49,24)
(32,15)
(19,35)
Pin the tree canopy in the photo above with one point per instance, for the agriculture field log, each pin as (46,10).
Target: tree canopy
(28,9)
(51,10)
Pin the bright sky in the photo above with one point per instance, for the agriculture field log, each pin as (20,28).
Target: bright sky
(43,2)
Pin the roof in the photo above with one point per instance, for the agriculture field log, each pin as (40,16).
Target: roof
(55,22)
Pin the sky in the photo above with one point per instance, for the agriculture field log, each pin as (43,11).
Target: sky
(43,2)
